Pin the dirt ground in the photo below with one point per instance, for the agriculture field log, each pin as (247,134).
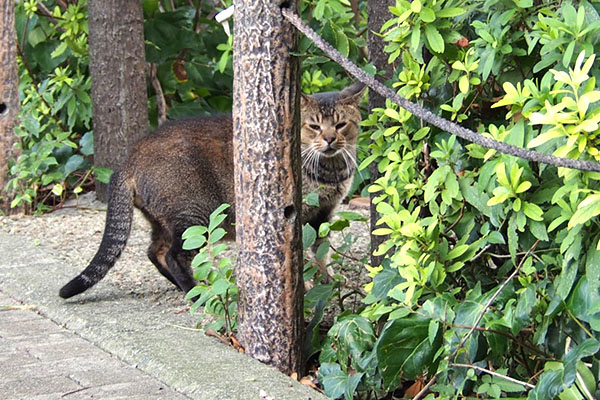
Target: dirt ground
(73,234)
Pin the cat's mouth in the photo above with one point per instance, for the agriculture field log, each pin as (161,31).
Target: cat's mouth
(329,152)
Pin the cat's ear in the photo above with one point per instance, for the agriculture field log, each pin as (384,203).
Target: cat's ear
(306,100)
(353,93)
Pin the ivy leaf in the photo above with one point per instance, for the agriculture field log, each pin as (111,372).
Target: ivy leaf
(103,174)
(73,163)
(548,386)
(404,350)
(87,143)
(336,382)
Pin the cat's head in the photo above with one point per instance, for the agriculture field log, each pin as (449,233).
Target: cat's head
(330,121)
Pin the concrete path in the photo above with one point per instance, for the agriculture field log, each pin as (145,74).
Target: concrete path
(105,344)
(41,360)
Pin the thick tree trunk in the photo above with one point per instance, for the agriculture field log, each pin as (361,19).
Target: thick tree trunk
(378,11)
(9,95)
(117,66)
(267,182)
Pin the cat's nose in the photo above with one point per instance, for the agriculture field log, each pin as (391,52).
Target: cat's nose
(329,139)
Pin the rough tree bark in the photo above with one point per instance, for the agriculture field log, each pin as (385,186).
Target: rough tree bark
(378,11)
(9,94)
(117,67)
(268,187)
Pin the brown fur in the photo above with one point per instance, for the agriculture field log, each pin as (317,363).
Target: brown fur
(181,173)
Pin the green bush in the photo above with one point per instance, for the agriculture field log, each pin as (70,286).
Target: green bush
(458,219)
(55,133)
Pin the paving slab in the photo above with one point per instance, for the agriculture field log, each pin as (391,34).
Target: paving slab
(41,332)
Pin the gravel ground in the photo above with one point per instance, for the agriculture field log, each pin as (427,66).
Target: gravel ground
(74,233)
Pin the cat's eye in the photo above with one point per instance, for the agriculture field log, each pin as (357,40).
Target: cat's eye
(314,127)
(340,125)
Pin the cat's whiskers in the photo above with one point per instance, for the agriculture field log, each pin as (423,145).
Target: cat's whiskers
(316,164)
(353,159)
(344,153)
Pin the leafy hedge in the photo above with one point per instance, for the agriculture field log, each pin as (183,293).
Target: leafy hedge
(55,134)
(459,219)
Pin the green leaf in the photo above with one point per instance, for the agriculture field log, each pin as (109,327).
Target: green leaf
(587,209)
(193,242)
(196,230)
(404,350)
(538,229)
(521,316)
(336,382)
(216,235)
(322,250)
(513,238)
(427,15)
(450,12)
(533,211)
(549,385)
(309,235)
(103,174)
(319,10)
(73,164)
(434,38)
(343,45)
(581,300)
(415,6)
(87,143)
(433,331)
(312,199)
(221,286)
(457,251)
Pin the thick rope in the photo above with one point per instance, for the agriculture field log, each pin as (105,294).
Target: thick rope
(427,115)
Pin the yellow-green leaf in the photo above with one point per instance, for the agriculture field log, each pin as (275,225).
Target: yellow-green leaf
(523,187)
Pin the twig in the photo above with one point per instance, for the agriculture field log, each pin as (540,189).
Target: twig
(20,307)
(185,328)
(460,216)
(43,11)
(197,17)
(349,257)
(578,322)
(505,334)
(62,4)
(161,103)
(487,371)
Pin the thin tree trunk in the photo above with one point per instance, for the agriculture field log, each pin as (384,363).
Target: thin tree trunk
(117,67)
(267,182)
(9,95)
(378,11)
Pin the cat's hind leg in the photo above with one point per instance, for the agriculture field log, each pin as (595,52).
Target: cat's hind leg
(161,243)
(178,262)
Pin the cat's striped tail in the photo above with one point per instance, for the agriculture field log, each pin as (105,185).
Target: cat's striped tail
(116,232)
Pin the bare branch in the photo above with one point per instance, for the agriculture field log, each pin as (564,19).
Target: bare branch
(487,371)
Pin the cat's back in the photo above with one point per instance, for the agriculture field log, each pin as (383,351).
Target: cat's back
(182,158)
(204,134)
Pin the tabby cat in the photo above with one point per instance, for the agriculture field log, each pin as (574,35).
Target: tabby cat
(181,173)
